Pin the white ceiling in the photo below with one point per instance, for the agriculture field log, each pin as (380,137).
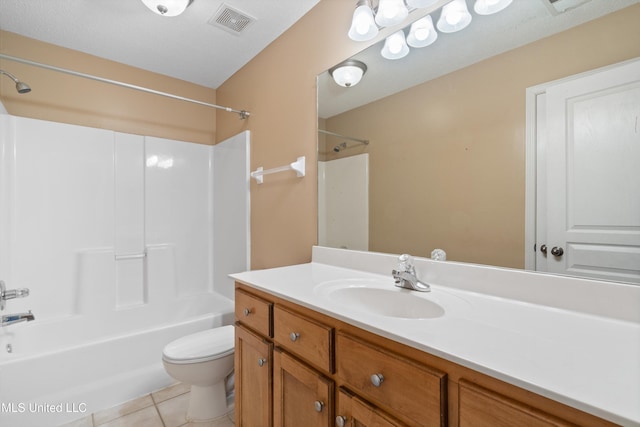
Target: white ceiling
(524,21)
(186,47)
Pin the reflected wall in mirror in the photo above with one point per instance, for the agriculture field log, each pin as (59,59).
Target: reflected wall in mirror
(447,156)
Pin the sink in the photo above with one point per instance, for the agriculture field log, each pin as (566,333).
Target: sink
(382,298)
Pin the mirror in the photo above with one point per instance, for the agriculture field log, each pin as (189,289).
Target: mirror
(446,128)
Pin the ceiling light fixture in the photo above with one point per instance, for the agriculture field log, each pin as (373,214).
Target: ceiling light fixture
(348,73)
(167,7)
(454,17)
(488,7)
(363,25)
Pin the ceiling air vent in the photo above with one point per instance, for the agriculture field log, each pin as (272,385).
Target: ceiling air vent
(557,7)
(231,19)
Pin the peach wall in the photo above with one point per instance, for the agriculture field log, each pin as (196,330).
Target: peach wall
(69,99)
(477,124)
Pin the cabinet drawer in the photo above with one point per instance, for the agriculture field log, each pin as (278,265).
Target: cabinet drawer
(480,407)
(254,312)
(304,337)
(415,392)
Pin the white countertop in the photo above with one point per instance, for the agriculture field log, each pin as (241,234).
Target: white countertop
(585,360)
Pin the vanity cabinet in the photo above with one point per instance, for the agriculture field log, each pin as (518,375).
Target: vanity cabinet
(299,367)
(302,396)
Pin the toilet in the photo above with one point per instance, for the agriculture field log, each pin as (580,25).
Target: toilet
(203,360)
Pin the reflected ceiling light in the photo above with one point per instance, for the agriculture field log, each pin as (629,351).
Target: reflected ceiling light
(395,46)
(391,12)
(454,17)
(167,7)
(363,25)
(488,7)
(420,3)
(348,73)
(422,33)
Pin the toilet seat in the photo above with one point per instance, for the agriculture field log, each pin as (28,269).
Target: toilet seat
(201,346)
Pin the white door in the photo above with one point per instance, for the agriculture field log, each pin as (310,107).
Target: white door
(593,175)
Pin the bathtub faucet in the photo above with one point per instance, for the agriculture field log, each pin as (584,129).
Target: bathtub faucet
(10,319)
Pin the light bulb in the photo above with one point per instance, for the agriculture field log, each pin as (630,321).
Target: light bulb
(422,33)
(363,26)
(395,46)
(454,17)
(488,7)
(391,12)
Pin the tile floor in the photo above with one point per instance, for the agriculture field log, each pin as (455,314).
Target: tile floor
(162,408)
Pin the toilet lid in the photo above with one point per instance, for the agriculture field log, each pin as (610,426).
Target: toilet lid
(201,346)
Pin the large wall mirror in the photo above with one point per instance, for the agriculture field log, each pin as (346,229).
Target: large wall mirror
(431,148)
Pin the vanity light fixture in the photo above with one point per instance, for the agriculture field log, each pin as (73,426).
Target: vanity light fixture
(391,12)
(348,73)
(422,33)
(488,7)
(167,7)
(395,46)
(454,17)
(363,25)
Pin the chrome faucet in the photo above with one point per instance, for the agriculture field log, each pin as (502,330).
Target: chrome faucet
(11,294)
(405,276)
(10,319)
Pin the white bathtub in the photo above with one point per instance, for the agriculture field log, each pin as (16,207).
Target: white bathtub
(48,379)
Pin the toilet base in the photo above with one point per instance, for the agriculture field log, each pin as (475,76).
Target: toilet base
(207,403)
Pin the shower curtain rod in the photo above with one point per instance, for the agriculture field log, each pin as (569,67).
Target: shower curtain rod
(364,141)
(243,114)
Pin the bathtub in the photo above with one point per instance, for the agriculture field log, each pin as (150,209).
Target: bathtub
(52,373)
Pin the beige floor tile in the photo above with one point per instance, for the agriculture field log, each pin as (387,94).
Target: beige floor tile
(82,422)
(170,392)
(220,422)
(174,411)
(110,414)
(147,417)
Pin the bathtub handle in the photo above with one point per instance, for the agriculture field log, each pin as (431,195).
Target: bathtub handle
(262,362)
(247,311)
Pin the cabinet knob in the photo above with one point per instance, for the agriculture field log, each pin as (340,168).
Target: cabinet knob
(262,362)
(319,405)
(543,249)
(377,380)
(341,421)
(247,311)
(293,336)
(556,251)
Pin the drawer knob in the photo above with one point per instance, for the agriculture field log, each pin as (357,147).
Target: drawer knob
(293,336)
(377,380)
(341,421)
(319,405)
(247,311)
(262,362)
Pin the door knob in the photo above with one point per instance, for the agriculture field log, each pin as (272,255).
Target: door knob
(556,251)
(543,249)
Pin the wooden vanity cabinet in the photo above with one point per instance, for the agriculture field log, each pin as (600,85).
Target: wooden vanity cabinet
(253,379)
(302,396)
(351,411)
(298,367)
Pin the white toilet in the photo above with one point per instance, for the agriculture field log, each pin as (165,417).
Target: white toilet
(203,360)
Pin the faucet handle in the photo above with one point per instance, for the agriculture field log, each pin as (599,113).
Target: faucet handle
(405,263)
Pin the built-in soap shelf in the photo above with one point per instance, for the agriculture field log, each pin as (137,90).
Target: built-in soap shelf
(298,166)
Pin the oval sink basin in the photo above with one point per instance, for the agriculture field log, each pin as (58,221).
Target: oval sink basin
(383,298)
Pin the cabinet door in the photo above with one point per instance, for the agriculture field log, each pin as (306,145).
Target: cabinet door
(302,396)
(254,393)
(480,407)
(352,411)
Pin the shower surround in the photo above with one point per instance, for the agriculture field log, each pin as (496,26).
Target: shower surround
(125,243)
